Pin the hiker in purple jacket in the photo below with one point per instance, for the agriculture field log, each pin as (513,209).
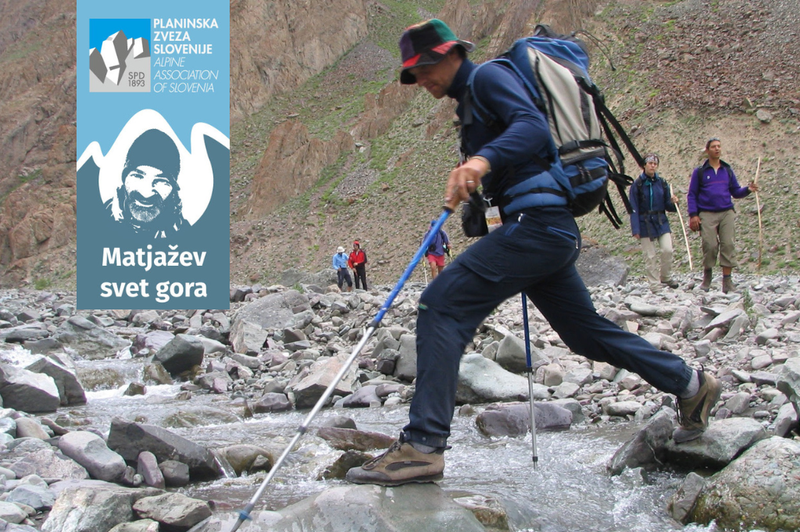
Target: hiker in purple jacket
(711,212)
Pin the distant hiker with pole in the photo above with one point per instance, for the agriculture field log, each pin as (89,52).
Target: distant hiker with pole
(437,250)
(533,251)
(342,273)
(358,261)
(712,213)
(651,199)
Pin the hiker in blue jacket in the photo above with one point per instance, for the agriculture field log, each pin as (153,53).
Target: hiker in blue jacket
(711,212)
(533,251)
(651,199)
(339,264)
(437,250)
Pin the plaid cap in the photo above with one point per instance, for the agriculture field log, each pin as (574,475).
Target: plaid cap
(427,43)
(651,158)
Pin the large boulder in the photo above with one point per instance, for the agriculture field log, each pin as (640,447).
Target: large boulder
(27,391)
(723,441)
(129,439)
(481,380)
(746,494)
(180,354)
(275,311)
(515,419)
(93,506)
(90,341)
(59,367)
(418,507)
(321,374)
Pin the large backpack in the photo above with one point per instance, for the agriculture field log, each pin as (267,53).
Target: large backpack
(554,70)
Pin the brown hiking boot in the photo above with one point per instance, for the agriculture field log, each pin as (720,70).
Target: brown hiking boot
(727,284)
(672,283)
(400,464)
(693,412)
(707,275)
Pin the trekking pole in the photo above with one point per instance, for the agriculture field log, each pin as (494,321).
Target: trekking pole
(244,514)
(758,210)
(685,238)
(534,456)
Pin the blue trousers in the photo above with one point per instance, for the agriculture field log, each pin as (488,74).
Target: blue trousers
(535,252)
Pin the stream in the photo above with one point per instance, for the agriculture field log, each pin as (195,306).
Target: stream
(568,491)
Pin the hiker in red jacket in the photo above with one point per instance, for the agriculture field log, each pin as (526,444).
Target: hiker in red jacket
(358,262)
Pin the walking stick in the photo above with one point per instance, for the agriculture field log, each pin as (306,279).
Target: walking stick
(758,210)
(685,238)
(534,455)
(244,514)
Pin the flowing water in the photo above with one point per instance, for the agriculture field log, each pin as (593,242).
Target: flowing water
(569,491)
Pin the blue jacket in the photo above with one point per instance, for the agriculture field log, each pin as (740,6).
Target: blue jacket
(436,247)
(650,199)
(711,190)
(509,150)
(340,261)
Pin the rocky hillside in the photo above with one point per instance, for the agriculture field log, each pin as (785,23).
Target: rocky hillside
(327,147)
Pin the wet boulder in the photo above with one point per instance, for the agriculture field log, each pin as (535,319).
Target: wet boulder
(129,439)
(61,370)
(247,458)
(514,420)
(723,441)
(180,354)
(647,448)
(27,391)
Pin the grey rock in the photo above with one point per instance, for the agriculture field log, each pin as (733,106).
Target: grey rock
(93,507)
(90,341)
(747,492)
(147,466)
(173,510)
(90,451)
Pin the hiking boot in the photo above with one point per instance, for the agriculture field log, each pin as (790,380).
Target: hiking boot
(693,412)
(400,464)
(727,284)
(707,275)
(671,283)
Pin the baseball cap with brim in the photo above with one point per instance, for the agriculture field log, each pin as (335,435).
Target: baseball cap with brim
(427,43)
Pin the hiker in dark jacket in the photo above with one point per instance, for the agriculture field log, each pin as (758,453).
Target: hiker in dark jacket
(651,198)
(533,251)
(437,250)
(711,212)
